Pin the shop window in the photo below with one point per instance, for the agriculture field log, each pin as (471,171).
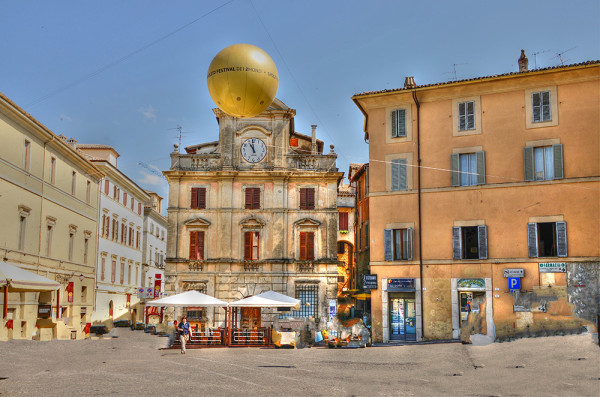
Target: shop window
(198,199)
(308,294)
(251,243)
(547,239)
(468,169)
(469,242)
(307,246)
(197,245)
(398,244)
(543,163)
(307,198)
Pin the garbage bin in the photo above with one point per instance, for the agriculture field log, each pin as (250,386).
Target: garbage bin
(73,335)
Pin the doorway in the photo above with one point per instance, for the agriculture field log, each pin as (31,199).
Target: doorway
(472,312)
(403,317)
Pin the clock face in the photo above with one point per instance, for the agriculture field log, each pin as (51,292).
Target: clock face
(254,150)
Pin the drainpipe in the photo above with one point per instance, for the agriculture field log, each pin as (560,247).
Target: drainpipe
(414,95)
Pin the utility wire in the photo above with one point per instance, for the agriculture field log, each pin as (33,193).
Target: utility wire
(116,62)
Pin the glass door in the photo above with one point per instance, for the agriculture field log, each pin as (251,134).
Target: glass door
(411,319)
(397,331)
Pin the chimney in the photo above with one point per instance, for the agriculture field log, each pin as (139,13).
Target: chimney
(314,139)
(523,62)
(409,82)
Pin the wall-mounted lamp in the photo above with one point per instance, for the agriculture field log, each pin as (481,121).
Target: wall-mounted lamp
(81,277)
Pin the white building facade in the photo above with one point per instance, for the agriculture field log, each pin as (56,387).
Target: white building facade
(120,228)
(154,250)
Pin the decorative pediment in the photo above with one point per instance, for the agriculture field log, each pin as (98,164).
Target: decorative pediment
(196,222)
(307,222)
(252,221)
(253,128)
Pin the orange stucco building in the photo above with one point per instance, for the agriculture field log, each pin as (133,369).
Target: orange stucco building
(508,179)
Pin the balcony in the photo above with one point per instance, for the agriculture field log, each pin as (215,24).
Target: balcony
(195,266)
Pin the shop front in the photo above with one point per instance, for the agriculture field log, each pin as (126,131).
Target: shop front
(401,317)
(472,308)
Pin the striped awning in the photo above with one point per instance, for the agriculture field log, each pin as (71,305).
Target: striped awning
(24,280)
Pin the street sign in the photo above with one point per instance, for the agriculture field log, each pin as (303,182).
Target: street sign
(514,273)
(514,283)
(369,281)
(553,267)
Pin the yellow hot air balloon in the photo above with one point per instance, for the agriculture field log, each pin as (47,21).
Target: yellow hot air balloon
(242,80)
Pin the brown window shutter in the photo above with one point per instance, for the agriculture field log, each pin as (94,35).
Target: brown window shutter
(201,198)
(194,201)
(257,245)
(310,199)
(303,246)
(106,186)
(125,199)
(343,220)
(310,246)
(248,245)
(256,198)
(248,194)
(303,199)
(193,245)
(200,245)
(139,208)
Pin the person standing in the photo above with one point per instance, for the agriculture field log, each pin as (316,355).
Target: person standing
(185,333)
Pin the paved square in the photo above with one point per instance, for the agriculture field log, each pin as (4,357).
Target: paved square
(133,365)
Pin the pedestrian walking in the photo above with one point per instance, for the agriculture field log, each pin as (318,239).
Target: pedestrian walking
(185,333)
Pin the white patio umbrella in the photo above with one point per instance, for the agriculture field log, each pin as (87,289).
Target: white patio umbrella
(24,280)
(188,299)
(267,299)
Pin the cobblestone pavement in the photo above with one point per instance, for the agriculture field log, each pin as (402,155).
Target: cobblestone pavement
(133,364)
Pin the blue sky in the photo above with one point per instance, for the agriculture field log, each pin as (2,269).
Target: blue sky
(104,72)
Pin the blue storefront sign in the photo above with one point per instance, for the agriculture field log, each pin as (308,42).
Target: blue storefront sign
(401,284)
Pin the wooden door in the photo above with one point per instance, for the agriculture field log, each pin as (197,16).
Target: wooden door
(250,317)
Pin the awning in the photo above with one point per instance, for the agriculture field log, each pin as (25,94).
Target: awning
(362,296)
(188,299)
(24,280)
(267,299)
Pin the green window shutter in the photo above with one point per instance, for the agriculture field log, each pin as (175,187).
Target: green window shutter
(387,244)
(454,166)
(394,117)
(401,122)
(561,238)
(558,161)
(532,240)
(482,239)
(409,245)
(456,243)
(396,169)
(403,180)
(480,167)
(528,163)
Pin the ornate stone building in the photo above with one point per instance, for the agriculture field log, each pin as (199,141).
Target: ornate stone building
(252,212)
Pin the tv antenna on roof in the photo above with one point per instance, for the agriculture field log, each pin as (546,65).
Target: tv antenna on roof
(559,55)
(535,57)
(453,72)
(179,128)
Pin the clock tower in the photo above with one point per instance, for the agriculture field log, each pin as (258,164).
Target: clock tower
(252,212)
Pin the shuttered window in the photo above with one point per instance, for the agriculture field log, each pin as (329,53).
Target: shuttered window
(307,246)
(197,245)
(113,271)
(252,198)
(543,163)
(467,169)
(398,169)
(125,199)
(398,244)
(251,244)
(198,199)
(398,117)
(307,198)
(102,268)
(122,275)
(466,116)
(469,242)
(106,186)
(343,221)
(540,102)
(547,239)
